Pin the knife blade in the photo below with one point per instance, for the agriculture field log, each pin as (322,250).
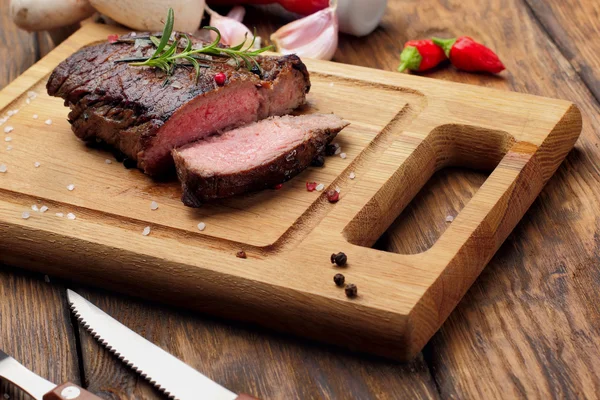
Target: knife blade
(170,375)
(38,387)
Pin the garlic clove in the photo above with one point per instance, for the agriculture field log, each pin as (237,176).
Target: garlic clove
(237,13)
(314,36)
(233,32)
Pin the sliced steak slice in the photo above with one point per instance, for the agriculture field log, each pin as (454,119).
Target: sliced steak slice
(133,109)
(254,157)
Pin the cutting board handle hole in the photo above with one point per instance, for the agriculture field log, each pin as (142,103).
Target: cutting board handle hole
(421,199)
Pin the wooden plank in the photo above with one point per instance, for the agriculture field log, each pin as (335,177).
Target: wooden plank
(35,325)
(18,49)
(402,129)
(573,26)
(528,328)
(245,359)
(35,328)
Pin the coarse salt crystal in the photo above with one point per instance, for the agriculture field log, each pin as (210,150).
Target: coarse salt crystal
(48,122)
(43,209)
(71,216)
(28,101)
(449,218)
(343,155)
(146,231)
(8,148)
(35,208)
(320,187)
(6,396)
(25,215)
(352,175)
(8,129)
(338,151)
(177,85)
(35,116)
(331,84)
(70,187)
(107,161)
(10,113)
(60,215)
(3,168)
(133,34)
(31,94)
(46,279)
(7,139)
(154,206)
(36,164)
(337,189)
(201,226)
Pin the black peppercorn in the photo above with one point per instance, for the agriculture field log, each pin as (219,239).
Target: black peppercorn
(339,280)
(351,290)
(318,161)
(340,259)
(256,70)
(241,254)
(330,149)
(129,163)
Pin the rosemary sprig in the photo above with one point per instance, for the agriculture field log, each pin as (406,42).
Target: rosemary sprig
(166,57)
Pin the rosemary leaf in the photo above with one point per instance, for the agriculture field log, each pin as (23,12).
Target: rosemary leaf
(167,58)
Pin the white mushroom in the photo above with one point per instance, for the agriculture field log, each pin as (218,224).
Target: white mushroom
(41,15)
(149,15)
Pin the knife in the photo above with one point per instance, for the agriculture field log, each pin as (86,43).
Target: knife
(36,386)
(170,375)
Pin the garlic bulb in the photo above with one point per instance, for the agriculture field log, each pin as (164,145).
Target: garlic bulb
(148,15)
(314,36)
(233,32)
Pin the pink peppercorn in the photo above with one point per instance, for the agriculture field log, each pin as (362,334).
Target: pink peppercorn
(220,78)
(113,38)
(311,186)
(277,187)
(333,196)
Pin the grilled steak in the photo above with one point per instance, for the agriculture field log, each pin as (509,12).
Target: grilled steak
(254,157)
(133,109)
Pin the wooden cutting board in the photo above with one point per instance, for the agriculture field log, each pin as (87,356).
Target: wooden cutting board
(403,128)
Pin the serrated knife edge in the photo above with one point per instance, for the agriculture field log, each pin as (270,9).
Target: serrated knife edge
(185,384)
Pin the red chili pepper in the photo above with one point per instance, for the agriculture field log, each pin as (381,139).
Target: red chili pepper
(113,38)
(420,55)
(468,55)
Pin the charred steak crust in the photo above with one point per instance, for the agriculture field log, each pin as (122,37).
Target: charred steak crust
(198,189)
(126,107)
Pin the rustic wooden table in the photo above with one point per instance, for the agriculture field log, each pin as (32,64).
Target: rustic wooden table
(530,325)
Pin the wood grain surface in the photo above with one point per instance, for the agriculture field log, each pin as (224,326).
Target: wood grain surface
(476,352)
(573,27)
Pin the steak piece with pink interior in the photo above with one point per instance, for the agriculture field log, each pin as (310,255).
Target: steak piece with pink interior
(254,157)
(132,109)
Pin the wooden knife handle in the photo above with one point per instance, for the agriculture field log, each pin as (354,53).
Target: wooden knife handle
(70,391)
(243,396)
